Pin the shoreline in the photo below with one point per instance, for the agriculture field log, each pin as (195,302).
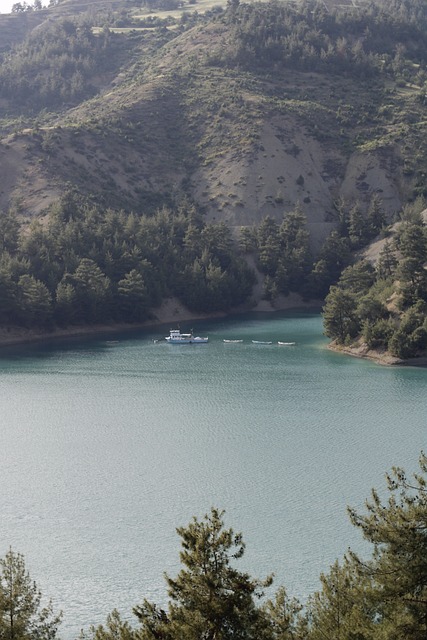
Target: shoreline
(171,310)
(383,358)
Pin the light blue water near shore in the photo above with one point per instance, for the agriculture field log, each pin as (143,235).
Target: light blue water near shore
(109,444)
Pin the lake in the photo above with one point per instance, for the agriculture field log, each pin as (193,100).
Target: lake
(109,444)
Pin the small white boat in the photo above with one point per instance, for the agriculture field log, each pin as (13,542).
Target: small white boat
(176,337)
(232,341)
(261,342)
(286,343)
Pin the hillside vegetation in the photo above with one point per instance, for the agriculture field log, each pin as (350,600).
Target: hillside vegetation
(381,307)
(247,111)
(245,114)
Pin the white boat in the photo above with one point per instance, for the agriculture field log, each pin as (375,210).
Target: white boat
(232,341)
(286,343)
(261,342)
(176,337)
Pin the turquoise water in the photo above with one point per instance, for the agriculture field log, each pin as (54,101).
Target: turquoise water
(108,444)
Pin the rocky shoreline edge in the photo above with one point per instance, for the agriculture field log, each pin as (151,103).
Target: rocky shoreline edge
(382,357)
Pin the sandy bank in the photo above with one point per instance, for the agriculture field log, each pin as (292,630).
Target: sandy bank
(170,311)
(379,356)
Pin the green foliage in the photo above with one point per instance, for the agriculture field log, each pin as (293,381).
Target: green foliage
(21,615)
(283,253)
(410,338)
(9,232)
(57,64)
(377,333)
(358,278)
(284,619)
(381,327)
(411,242)
(381,597)
(370,309)
(387,262)
(133,295)
(209,598)
(376,218)
(358,228)
(115,629)
(34,302)
(268,244)
(411,212)
(92,289)
(87,265)
(247,239)
(333,257)
(343,608)
(340,318)
(397,568)
(309,36)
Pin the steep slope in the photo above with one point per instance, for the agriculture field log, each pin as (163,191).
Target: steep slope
(242,142)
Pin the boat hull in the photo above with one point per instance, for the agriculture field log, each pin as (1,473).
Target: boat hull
(187,340)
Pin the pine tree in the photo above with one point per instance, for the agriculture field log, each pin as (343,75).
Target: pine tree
(339,315)
(115,629)
(358,227)
(345,608)
(295,259)
(35,302)
(132,296)
(210,600)
(376,217)
(387,261)
(398,530)
(285,619)
(21,614)
(358,277)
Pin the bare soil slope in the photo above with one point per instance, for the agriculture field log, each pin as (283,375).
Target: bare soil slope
(242,146)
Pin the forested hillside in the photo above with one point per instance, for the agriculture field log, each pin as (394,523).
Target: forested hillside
(290,132)
(382,307)
(248,111)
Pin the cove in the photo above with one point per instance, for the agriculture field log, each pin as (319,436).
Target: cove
(110,443)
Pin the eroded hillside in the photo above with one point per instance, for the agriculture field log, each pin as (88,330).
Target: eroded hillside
(187,117)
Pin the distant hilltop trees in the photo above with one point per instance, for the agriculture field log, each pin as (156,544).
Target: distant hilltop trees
(20,7)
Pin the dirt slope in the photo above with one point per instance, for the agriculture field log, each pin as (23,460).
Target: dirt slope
(242,147)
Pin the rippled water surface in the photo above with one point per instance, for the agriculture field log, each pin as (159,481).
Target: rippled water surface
(109,444)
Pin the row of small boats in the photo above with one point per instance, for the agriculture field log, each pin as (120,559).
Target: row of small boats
(176,337)
(260,342)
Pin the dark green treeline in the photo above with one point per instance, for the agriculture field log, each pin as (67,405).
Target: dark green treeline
(83,264)
(385,306)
